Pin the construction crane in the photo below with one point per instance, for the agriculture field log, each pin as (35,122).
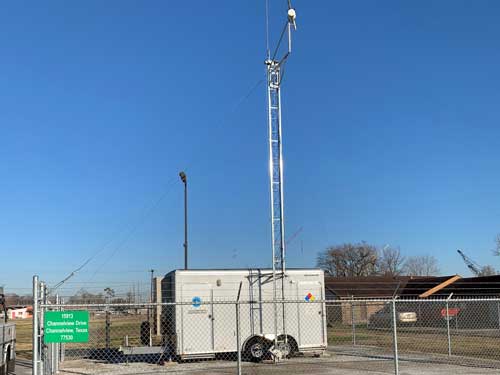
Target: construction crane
(472,265)
(274,67)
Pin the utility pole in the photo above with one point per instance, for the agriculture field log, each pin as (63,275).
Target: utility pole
(183,177)
(152,285)
(150,311)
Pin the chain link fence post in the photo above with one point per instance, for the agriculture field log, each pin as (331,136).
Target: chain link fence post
(395,337)
(42,348)
(52,353)
(35,337)
(62,348)
(107,326)
(353,323)
(238,337)
(57,348)
(448,323)
(498,313)
(238,329)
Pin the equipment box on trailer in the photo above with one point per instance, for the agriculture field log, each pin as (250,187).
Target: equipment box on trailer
(202,323)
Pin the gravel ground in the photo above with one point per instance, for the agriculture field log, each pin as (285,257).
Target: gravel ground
(23,367)
(335,364)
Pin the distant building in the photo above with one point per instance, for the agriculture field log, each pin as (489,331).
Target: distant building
(348,290)
(21,313)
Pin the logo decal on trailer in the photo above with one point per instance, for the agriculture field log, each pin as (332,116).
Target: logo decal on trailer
(196,301)
(309,297)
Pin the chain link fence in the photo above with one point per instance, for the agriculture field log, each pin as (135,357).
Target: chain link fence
(447,332)
(295,336)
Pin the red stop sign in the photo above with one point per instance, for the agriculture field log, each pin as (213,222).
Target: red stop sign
(451,312)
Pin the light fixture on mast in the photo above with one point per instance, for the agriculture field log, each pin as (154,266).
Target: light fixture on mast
(292,15)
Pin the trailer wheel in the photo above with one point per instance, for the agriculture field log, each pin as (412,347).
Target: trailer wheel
(10,363)
(256,349)
(291,345)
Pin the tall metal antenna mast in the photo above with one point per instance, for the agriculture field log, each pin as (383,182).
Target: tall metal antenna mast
(275,70)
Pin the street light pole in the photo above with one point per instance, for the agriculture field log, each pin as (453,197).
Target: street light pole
(183,177)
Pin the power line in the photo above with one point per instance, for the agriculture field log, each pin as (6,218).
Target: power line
(132,229)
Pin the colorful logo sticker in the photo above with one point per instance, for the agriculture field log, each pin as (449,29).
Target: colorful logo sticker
(196,301)
(309,297)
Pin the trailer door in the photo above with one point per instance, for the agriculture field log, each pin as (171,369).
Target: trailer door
(197,330)
(311,322)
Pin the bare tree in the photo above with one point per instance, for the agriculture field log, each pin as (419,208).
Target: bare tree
(487,271)
(425,265)
(12,299)
(130,297)
(109,294)
(390,261)
(349,260)
(83,296)
(497,245)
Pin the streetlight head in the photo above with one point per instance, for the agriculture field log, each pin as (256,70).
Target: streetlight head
(183,177)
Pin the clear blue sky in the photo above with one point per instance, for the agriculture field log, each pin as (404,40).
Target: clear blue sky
(391,133)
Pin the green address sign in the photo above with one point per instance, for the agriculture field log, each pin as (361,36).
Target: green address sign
(66,326)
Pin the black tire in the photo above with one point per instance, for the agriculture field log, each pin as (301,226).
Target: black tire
(11,366)
(10,363)
(293,348)
(256,349)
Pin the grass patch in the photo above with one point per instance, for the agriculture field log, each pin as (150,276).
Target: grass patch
(480,344)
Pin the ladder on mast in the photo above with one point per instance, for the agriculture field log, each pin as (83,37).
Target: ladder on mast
(274,77)
(276,174)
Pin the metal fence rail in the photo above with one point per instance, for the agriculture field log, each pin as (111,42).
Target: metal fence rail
(233,336)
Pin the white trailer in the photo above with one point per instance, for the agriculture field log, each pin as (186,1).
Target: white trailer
(200,326)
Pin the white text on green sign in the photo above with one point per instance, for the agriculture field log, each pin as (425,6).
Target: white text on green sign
(66,326)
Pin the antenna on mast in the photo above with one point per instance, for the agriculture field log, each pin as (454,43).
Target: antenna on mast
(275,70)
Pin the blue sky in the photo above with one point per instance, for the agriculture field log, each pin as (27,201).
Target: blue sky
(391,133)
